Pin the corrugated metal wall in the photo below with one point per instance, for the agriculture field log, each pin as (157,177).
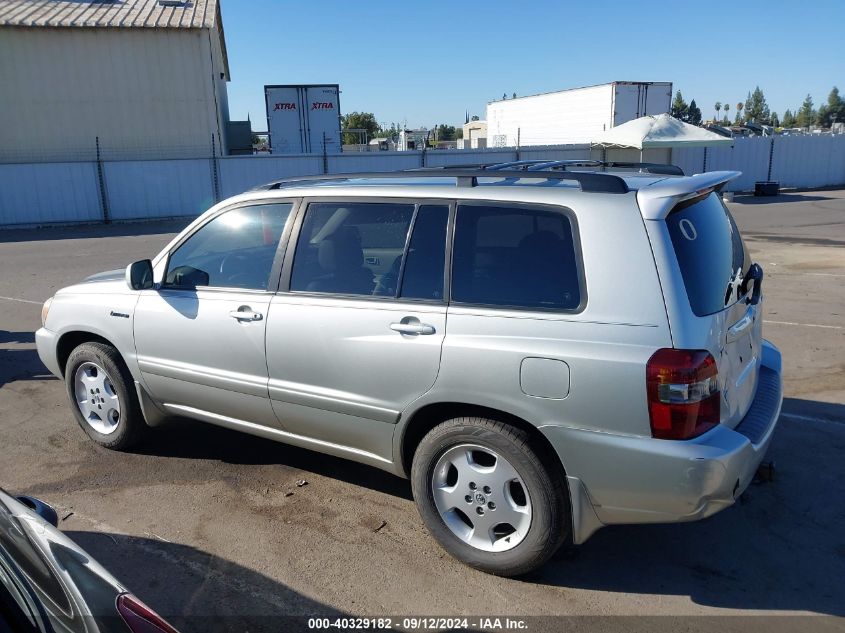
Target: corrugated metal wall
(154,189)
(49,192)
(70,192)
(240,173)
(147,93)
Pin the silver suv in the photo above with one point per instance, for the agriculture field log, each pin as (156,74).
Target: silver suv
(541,352)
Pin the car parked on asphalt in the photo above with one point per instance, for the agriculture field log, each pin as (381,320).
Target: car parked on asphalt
(49,583)
(542,353)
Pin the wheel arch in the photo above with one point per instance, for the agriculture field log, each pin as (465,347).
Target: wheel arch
(427,417)
(70,340)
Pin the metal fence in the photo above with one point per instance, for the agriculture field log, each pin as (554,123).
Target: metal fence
(109,189)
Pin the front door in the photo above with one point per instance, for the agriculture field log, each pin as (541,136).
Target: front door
(200,336)
(357,337)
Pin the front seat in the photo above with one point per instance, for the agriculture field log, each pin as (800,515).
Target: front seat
(342,260)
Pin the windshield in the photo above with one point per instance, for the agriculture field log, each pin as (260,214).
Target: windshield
(710,251)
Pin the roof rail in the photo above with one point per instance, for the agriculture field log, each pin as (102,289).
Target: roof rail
(591,182)
(650,168)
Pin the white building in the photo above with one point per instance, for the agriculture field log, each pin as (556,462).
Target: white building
(475,135)
(148,77)
(573,116)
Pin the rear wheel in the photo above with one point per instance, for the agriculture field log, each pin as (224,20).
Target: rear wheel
(102,393)
(490,495)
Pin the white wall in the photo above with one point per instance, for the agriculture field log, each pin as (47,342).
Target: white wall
(32,194)
(144,92)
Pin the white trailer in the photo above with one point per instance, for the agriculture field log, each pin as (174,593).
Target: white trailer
(301,119)
(573,116)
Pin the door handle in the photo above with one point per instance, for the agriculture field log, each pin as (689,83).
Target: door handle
(245,313)
(412,328)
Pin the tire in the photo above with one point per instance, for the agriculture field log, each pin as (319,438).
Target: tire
(435,479)
(108,387)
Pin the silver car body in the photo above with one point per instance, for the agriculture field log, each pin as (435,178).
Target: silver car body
(328,372)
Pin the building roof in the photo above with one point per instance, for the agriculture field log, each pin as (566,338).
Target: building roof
(162,14)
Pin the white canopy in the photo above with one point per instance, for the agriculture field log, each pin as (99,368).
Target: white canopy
(661,131)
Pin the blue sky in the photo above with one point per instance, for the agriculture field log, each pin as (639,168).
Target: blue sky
(429,62)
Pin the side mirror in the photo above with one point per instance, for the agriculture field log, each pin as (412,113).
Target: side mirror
(139,276)
(40,508)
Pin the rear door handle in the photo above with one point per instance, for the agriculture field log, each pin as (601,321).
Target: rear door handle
(245,313)
(412,328)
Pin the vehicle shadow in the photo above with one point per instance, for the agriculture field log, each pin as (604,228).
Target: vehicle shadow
(781,547)
(87,231)
(20,363)
(16,337)
(190,439)
(783,197)
(197,591)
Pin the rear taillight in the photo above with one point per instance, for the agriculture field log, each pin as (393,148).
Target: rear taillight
(683,393)
(139,617)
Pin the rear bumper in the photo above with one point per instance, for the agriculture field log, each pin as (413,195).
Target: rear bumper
(46,341)
(627,479)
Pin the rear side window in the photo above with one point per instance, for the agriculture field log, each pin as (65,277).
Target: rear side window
(351,248)
(710,252)
(425,261)
(514,256)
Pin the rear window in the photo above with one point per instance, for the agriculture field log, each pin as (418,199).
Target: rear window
(710,251)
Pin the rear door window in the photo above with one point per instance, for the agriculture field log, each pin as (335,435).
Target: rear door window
(710,251)
(516,256)
(376,249)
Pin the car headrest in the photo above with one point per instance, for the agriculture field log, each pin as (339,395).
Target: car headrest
(341,250)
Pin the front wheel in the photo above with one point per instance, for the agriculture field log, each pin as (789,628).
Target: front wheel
(491,496)
(103,397)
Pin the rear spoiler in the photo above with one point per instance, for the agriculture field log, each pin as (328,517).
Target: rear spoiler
(658,199)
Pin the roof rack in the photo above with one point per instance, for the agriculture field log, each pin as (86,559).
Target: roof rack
(649,168)
(588,181)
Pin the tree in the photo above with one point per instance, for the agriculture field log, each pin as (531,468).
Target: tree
(718,108)
(445,132)
(774,120)
(693,114)
(475,118)
(833,110)
(726,120)
(756,108)
(514,96)
(807,114)
(359,121)
(788,119)
(739,107)
(680,109)
(504,96)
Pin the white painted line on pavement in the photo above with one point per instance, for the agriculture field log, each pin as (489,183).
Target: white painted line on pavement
(825,274)
(38,303)
(827,327)
(808,418)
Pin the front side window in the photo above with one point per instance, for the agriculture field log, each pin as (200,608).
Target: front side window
(234,250)
(515,256)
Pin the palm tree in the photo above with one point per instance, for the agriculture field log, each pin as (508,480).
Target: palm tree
(726,107)
(739,107)
(718,108)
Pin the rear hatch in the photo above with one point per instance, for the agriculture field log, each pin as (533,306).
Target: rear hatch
(719,278)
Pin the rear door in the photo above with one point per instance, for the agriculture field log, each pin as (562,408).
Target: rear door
(355,336)
(714,264)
